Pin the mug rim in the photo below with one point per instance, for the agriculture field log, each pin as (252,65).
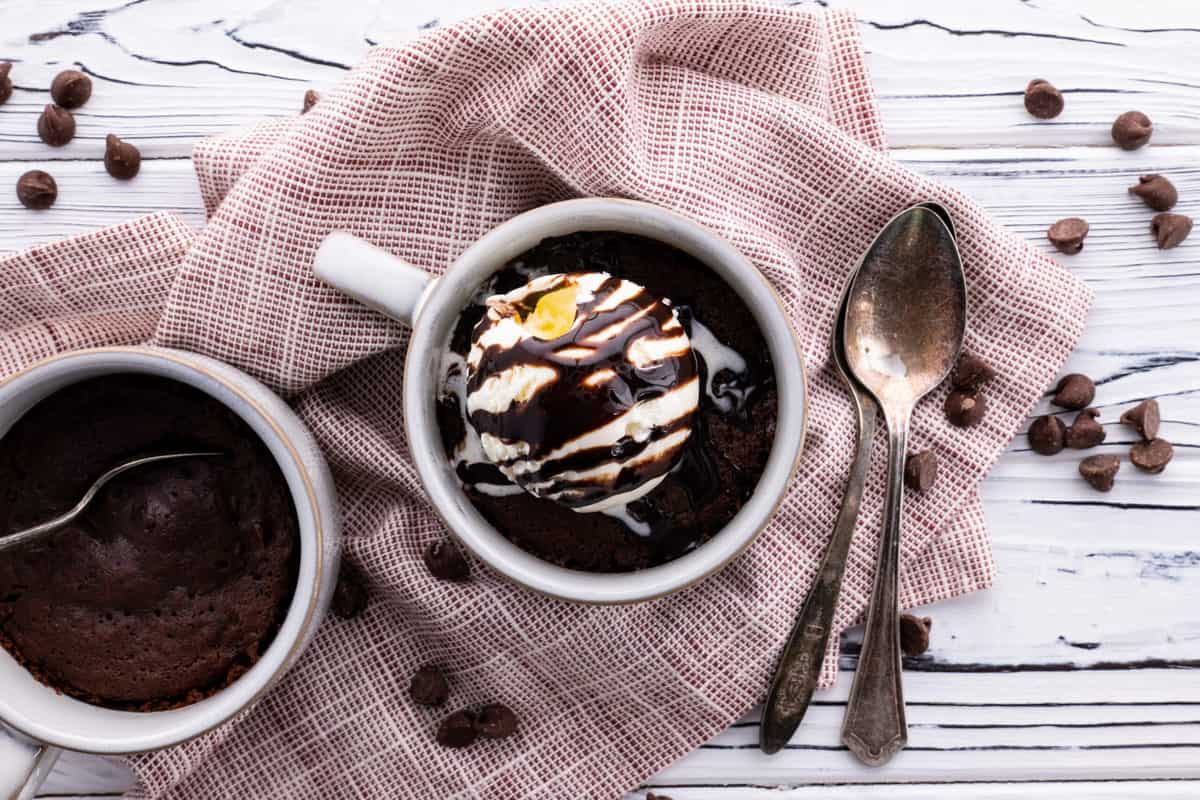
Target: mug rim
(530,571)
(195,362)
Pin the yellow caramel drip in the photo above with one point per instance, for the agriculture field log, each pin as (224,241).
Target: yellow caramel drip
(554,314)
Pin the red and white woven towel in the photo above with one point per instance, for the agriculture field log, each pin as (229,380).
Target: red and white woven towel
(758,121)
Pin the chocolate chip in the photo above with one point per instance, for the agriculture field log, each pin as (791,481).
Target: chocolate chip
(1085,431)
(1152,456)
(429,687)
(920,470)
(1074,391)
(56,126)
(36,189)
(1131,130)
(1100,471)
(1170,229)
(457,730)
(71,88)
(1047,435)
(1143,418)
(310,100)
(1042,99)
(496,721)
(971,372)
(1067,235)
(444,560)
(914,634)
(653,796)
(350,594)
(121,159)
(965,409)
(1156,192)
(6,87)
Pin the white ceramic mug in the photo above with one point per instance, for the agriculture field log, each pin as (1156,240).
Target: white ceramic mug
(431,307)
(44,721)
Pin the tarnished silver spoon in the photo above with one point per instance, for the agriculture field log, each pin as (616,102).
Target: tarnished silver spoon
(906,316)
(50,526)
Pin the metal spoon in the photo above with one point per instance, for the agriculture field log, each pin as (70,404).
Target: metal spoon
(799,664)
(906,316)
(38,531)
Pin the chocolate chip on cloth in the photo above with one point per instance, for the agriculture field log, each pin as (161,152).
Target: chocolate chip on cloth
(444,560)
(920,470)
(71,88)
(965,409)
(1131,130)
(56,126)
(1100,471)
(429,687)
(914,634)
(121,159)
(1042,100)
(310,100)
(6,86)
(1170,229)
(1074,391)
(1144,418)
(971,373)
(1085,432)
(496,721)
(1047,435)
(36,189)
(350,595)
(1152,456)
(1067,235)
(1156,191)
(457,730)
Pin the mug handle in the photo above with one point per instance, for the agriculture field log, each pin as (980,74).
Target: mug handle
(372,276)
(24,765)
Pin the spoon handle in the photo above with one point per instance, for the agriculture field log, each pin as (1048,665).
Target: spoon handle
(799,664)
(874,727)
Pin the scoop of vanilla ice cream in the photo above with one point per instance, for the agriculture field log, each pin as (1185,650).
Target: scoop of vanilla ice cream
(583,388)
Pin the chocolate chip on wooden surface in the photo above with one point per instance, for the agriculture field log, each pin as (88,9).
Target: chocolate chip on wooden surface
(495,721)
(1047,435)
(1156,191)
(71,88)
(1085,431)
(1067,235)
(350,596)
(1170,229)
(1100,471)
(310,100)
(1131,130)
(1143,418)
(429,687)
(56,126)
(36,189)
(6,85)
(1042,100)
(914,634)
(457,730)
(920,470)
(121,159)
(1152,456)
(965,409)
(971,372)
(653,796)
(1074,391)
(444,560)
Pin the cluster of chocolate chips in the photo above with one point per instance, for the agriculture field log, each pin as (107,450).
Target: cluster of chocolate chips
(1048,435)
(1130,131)
(429,687)
(70,89)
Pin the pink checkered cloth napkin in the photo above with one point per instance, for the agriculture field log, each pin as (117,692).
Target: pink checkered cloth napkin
(758,121)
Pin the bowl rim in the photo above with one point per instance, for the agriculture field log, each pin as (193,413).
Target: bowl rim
(441,307)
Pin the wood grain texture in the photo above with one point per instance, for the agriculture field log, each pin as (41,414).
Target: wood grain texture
(1084,662)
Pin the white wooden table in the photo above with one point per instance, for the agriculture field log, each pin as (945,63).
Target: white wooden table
(1078,675)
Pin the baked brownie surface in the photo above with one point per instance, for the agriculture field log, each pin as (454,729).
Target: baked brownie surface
(726,453)
(176,577)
